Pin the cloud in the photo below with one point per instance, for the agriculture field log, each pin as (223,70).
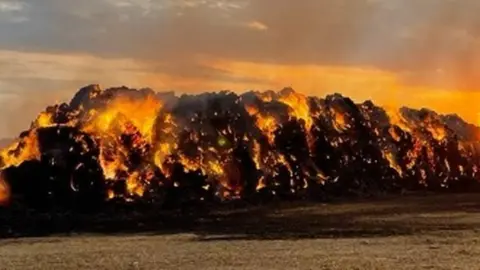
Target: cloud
(393,35)
(13,12)
(388,34)
(9,6)
(256,25)
(178,4)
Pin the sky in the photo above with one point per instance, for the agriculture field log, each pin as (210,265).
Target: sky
(418,53)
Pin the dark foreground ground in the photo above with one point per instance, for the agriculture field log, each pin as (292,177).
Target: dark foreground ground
(415,232)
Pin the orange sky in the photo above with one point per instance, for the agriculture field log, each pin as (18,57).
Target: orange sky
(73,71)
(384,88)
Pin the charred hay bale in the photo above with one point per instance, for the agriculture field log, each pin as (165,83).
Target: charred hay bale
(30,184)
(72,159)
(324,154)
(185,188)
(67,175)
(259,144)
(84,96)
(291,140)
(248,173)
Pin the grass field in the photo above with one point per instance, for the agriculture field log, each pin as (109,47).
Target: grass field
(421,232)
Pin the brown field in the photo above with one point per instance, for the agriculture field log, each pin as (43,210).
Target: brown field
(422,232)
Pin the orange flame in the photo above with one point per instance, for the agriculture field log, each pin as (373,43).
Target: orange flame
(44,119)
(22,150)
(299,106)
(5,192)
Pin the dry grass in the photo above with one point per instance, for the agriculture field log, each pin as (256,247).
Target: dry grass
(435,232)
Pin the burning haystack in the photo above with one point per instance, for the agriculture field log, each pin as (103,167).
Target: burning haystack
(126,145)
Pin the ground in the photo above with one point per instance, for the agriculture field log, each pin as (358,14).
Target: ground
(419,232)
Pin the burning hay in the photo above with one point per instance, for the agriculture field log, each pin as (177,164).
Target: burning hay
(126,145)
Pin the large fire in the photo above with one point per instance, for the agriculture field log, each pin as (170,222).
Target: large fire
(125,144)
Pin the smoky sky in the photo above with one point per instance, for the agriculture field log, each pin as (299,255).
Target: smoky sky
(425,42)
(415,36)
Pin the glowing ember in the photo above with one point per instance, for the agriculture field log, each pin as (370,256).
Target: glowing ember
(4,192)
